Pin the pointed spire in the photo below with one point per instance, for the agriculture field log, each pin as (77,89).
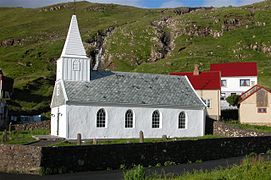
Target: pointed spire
(73,46)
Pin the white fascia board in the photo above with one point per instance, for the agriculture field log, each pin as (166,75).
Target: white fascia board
(64,90)
(133,105)
(239,76)
(195,92)
(53,95)
(75,57)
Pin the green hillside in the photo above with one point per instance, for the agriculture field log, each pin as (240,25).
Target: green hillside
(132,39)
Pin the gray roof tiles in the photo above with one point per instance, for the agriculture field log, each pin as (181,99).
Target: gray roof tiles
(134,89)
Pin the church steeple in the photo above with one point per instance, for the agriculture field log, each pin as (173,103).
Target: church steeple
(73,64)
(73,44)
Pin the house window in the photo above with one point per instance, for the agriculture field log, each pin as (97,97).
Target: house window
(181,124)
(155,119)
(129,119)
(223,96)
(262,98)
(76,65)
(101,118)
(224,83)
(208,103)
(244,82)
(262,110)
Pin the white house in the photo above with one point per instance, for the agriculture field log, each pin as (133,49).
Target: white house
(236,78)
(104,104)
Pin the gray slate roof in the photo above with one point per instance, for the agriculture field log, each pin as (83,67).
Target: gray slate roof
(134,89)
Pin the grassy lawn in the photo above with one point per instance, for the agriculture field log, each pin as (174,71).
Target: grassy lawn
(252,168)
(124,141)
(23,137)
(237,124)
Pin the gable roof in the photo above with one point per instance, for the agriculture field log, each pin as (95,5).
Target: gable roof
(134,89)
(73,44)
(252,91)
(204,81)
(236,69)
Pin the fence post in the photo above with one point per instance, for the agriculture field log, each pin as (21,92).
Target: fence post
(10,127)
(94,141)
(141,137)
(5,136)
(79,139)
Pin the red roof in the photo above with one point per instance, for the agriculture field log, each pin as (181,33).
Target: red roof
(251,91)
(204,81)
(236,69)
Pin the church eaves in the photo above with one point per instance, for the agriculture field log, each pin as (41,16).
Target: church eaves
(73,44)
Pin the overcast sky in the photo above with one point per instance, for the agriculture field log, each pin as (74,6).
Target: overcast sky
(138,3)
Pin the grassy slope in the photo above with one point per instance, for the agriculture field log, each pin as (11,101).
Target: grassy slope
(23,137)
(252,168)
(129,47)
(125,141)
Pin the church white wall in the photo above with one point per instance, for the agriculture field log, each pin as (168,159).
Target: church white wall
(82,119)
(62,121)
(67,70)
(59,70)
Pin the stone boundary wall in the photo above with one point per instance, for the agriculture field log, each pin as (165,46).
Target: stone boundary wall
(101,157)
(32,126)
(20,159)
(53,160)
(226,130)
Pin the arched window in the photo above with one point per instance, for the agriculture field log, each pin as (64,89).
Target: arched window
(76,65)
(156,119)
(101,118)
(129,119)
(182,120)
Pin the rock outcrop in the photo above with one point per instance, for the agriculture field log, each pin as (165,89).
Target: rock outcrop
(95,47)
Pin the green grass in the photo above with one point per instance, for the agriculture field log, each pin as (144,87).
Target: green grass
(129,47)
(237,124)
(252,168)
(24,137)
(137,173)
(124,141)
(249,170)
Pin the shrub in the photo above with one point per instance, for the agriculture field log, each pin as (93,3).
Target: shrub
(136,173)
(169,163)
(233,100)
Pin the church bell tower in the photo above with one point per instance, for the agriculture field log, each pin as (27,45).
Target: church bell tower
(73,64)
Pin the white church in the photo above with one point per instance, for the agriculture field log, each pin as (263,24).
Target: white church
(105,104)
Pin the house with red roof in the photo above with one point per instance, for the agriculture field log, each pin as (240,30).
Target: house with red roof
(255,106)
(207,85)
(236,78)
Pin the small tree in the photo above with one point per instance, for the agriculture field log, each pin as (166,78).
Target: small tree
(233,100)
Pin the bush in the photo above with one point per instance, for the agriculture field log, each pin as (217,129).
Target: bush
(233,100)
(136,173)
